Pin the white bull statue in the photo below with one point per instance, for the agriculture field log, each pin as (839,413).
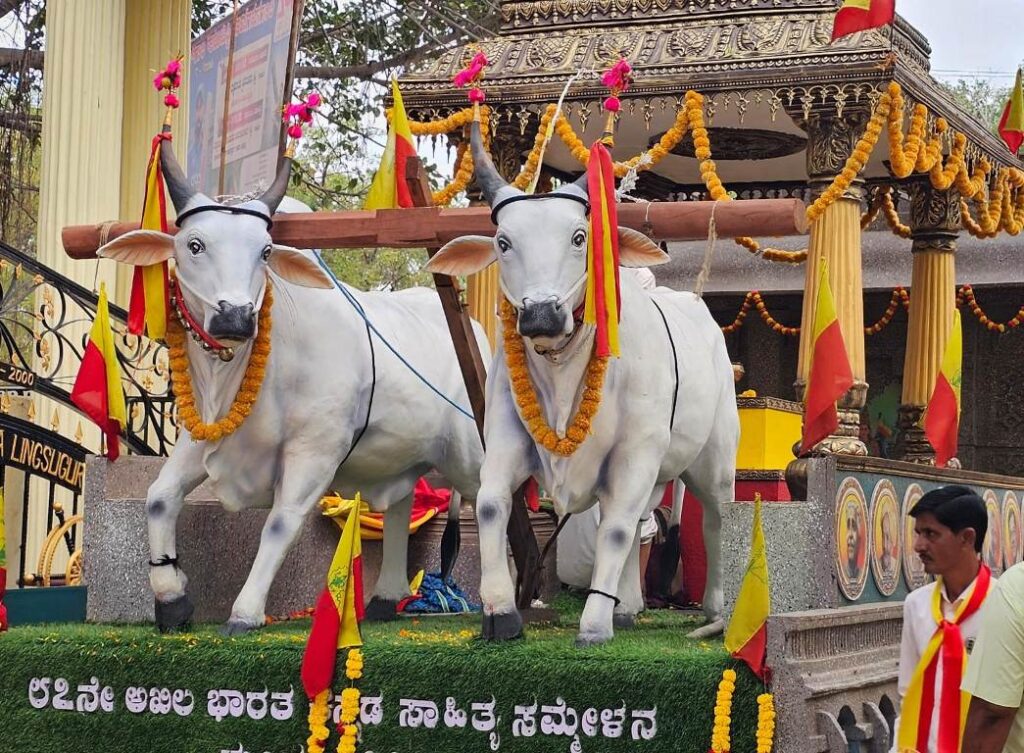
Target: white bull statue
(336,410)
(667,409)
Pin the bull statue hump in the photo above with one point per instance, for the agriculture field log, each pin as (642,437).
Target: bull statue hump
(311,428)
(667,408)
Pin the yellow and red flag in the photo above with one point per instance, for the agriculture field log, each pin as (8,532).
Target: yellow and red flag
(389,189)
(942,419)
(338,610)
(98,392)
(1011,125)
(861,15)
(149,304)
(602,302)
(831,374)
(746,637)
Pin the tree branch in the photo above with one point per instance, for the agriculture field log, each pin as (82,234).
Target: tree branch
(368,70)
(6,6)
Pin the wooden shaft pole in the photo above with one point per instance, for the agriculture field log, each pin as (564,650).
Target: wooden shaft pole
(426,227)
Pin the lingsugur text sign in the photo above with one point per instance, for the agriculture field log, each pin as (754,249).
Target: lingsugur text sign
(38,456)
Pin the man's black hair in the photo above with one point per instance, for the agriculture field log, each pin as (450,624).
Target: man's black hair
(957,508)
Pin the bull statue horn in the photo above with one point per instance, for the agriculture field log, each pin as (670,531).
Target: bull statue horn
(577,188)
(488,179)
(273,195)
(177,184)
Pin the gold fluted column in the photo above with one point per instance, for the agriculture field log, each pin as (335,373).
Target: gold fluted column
(935,224)
(836,237)
(482,295)
(154,32)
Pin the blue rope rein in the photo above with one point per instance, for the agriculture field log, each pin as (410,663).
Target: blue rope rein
(359,310)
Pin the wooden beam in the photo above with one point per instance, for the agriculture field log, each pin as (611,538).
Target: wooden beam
(430,227)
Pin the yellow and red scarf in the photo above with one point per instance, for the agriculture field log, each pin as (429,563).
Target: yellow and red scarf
(947,646)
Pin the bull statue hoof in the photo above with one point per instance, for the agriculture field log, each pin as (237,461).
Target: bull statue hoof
(381,610)
(623,621)
(237,627)
(589,640)
(502,627)
(174,616)
(710,630)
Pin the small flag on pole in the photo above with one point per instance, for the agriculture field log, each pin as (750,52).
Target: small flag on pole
(389,189)
(98,392)
(942,419)
(831,375)
(339,609)
(1011,125)
(746,637)
(861,15)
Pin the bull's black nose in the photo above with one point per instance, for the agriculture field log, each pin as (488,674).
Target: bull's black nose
(544,319)
(233,322)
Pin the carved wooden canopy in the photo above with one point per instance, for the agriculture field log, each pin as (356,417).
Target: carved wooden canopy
(762,65)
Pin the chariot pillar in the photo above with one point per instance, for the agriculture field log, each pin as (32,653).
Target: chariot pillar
(935,225)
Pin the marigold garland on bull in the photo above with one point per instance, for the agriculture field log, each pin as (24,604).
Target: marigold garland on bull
(275,416)
(603,391)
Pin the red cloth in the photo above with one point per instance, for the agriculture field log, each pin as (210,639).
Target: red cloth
(425,498)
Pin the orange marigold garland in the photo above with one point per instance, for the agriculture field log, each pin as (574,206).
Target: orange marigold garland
(318,731)
(526,396)
(720,739)
(966,295)
(899,297)
(350,703)
(248,391)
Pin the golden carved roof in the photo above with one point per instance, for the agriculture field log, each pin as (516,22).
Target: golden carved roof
(753,59)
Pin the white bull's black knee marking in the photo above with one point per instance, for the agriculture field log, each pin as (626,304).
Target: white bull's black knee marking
(276,527)
(156,508)
(488,512)
(619,538)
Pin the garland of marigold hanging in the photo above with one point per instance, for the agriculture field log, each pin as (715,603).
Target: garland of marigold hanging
(350,702)
(765,736)
(966,295)
(720,740)
(248,391)
(526,396)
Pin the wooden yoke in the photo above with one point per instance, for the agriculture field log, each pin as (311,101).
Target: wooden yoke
(525,551)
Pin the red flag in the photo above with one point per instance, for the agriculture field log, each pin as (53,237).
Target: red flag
(861,15)
(831,375)
(98,391)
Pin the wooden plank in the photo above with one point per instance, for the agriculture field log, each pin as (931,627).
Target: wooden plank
(420,227)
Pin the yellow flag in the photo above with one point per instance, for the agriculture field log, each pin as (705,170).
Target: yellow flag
(345,580)
(746,636)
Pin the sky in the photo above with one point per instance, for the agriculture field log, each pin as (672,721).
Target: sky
(970,38)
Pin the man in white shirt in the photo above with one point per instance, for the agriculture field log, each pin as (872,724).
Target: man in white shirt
(995,672)
(949,528)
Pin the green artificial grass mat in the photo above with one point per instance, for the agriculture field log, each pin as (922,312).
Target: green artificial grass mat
(429,659)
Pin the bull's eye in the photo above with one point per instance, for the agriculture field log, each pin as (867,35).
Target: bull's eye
(579,238)
(503,245)
(266,253)
(196,247)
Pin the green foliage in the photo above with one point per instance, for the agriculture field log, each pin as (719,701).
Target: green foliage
(652,665)
(982,99)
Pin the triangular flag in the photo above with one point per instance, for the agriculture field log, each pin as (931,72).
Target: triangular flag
(746,637)
(339,609)
(942,419)
(98,392)
(389,189)
(1011,125)
(861,15)
(831,375)
(149,303)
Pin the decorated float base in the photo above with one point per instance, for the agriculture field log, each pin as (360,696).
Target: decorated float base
(428,684)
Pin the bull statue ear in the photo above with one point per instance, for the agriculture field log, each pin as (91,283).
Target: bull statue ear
(139,247)
(293,266)
(637,250)
(463,256)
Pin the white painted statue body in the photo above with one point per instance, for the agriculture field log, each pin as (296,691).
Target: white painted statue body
(312,404)
(632,451)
